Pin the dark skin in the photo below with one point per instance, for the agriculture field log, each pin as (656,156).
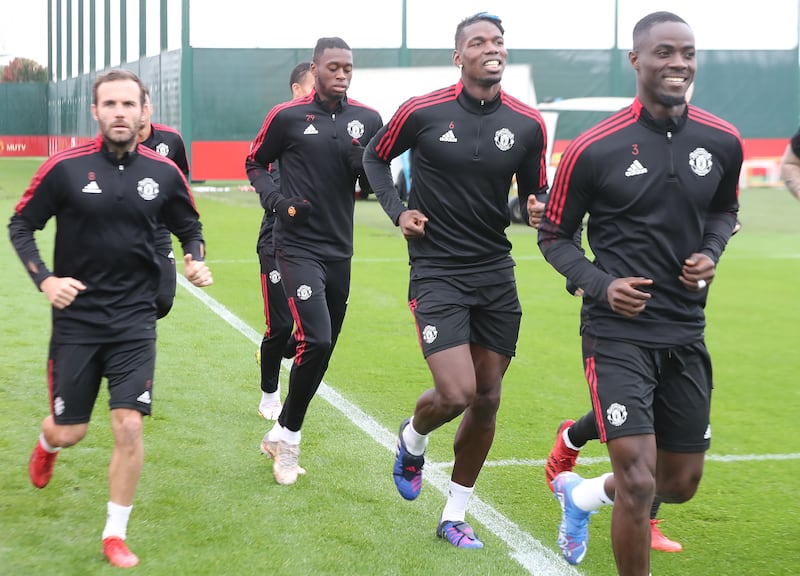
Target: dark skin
(467,378)
(665,64)
(664,60)
(481,54)
(332,75)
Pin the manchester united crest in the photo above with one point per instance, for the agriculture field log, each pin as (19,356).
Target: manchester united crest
(429,334)
(617,414)
(700,161)
(355,128)
(504,139)
(147,188)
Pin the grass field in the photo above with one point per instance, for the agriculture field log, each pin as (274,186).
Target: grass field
(207,503)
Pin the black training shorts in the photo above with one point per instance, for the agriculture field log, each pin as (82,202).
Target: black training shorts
(661,391)
(76,370)
(481,309)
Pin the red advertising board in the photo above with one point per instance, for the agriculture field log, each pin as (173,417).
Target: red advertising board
(23,145)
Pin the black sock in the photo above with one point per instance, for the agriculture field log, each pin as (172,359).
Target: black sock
(583,430)
(654,508)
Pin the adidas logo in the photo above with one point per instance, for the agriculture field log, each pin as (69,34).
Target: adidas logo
(310,130)
(144,397)
(448,137)
(92,188)
(635,169)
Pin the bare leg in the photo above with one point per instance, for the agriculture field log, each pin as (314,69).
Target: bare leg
(633,459)
(476,431)
(678,475)
(127,457)
(454,389)
(63,435)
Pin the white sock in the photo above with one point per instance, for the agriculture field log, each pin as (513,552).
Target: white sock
(47,448)
(568,442)
(591,493)
(415,442)
(457,497)
(275,432)
(117,520)
(289,436)
(268,398)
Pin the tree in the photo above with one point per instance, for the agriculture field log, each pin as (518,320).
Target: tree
(24,70)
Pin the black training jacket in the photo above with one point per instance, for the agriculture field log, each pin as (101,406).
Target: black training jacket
(265,243)
(464,153)
(312,145)
(107,211)
(656,192)
(168,142)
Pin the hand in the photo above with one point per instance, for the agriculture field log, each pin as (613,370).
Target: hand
(625,299)
(412,224)
(364,186)
(61,292)
(196,272)
(574,289)
(355,157)
(697,272)
(535,211)
(293,210)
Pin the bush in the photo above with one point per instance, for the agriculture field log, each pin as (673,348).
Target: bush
(24,70)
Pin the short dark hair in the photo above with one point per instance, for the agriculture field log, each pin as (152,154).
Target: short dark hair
(470,20)
(298,72)
(647,22)
(325,43)
(115,75)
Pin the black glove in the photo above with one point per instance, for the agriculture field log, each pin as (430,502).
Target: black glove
(363,185)
(572,288)
(355,156)
(293,210)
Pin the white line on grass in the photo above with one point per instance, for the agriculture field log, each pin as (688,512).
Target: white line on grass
(534,556)
(519,258)
(603,459)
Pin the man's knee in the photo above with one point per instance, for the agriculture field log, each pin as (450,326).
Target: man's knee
(65,435)
(635,487)
(313,348)
(678,476)
(679,487)
(128,426)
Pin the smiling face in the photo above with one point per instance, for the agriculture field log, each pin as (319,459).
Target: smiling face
(665,62)
(481,54)
(118,112)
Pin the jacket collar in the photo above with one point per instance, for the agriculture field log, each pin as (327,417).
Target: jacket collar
(474,105)
(339,107)
(674,123)
(111,156)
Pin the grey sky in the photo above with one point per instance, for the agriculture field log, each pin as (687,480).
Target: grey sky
(718,24)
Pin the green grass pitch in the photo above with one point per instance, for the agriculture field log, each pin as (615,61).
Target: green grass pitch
(207,503)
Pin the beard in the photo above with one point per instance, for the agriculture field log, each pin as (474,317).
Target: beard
(670,101)
(119,142)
